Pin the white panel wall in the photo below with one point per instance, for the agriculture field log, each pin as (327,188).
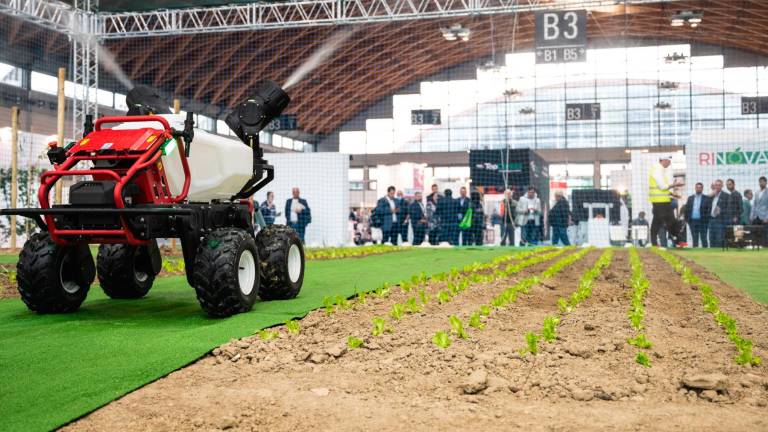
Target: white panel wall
(323,179)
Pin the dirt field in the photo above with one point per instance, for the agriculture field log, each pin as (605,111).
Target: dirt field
(586,380)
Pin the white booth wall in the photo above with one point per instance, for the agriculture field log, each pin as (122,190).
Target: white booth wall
(323,179)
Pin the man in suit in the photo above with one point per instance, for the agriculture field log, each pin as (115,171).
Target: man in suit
(417,213)
(297,213)
(508,215)
(388,208)
(402,217)
(734,203)
(446,212)
(719,214)
(462,205)
(559,217)
(759,214)
(697,213)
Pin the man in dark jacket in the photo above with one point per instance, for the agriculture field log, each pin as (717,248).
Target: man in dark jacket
(417,214)
(462,205)
(558,220)
(719,214)
(734,203)
(402,217)
(447,213)
(698,210)
(508,212)
(387,208)
(297,213)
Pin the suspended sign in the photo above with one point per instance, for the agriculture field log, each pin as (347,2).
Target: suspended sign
(561,36)
(582,111)
(283,122)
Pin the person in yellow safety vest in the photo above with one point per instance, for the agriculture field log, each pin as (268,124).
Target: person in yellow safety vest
(661,185)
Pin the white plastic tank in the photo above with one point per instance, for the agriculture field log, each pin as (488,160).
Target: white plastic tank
(219,166)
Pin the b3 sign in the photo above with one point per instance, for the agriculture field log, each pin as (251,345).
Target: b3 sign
(561,36)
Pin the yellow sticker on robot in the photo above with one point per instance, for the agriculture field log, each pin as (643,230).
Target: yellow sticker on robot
(151,138)
(84,141)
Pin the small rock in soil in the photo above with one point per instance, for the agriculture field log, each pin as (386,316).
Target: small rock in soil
(336,351)
(578,351)
(588,327)
(496,384)
(318,358)
(476,382)
(709,395)
(227,423)
(582,395)
(715,381)
(320,391)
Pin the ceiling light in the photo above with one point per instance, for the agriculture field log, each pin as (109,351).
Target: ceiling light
(454,32)
(692,18)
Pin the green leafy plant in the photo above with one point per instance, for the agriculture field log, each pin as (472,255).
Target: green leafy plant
(343,303)
(640,341)
(329,305)
(292,326)
(642,359)
(361,297)
(484,310)
(383,290)
(267,335)
(457,327)
(412,306)
(549,331)
(380,326)
(475,321)
(531,344)
(423,296)
(353,342)
(397,311)
(441,339)
(443,297)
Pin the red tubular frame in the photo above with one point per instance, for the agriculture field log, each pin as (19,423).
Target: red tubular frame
(145,160)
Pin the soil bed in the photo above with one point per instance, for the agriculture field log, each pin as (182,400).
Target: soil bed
(587,379)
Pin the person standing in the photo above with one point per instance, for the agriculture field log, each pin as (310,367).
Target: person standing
(388,208)
(402,217)
(462,205)
(746,207)
(433,220)
(446,212)
(558,220)
(297,213)
(269,209)
(660,187)
(640,220)
(697,213)
(734,203)
(529,212)
(718,214)
(759,214)
(417,214)
(475,231)
(508,210)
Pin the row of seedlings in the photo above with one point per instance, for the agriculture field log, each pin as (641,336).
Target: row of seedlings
(710,302)
(639,284)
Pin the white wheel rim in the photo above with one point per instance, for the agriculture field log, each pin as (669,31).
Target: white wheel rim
(69,286)
(140,275)
(246,272)
(294,263)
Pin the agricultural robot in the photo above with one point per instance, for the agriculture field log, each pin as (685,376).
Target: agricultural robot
(152,175)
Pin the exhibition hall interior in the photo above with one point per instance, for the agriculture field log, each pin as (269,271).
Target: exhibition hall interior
(359,214)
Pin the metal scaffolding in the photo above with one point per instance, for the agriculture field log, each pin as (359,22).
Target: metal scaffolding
(87,27)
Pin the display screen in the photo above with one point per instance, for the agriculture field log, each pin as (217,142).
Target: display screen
(425,117)
(283,122)
(582,111)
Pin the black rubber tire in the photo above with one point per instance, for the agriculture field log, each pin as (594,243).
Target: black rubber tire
(216,272)
(124,271)
(274,243)
(52,278)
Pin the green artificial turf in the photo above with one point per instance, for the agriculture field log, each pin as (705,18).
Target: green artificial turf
(743,269)
(8,258)
(56,368)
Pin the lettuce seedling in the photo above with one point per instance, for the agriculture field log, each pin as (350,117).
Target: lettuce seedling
(353,342)
(562,305)
(441,339)
(412,306)
(379,326)
(640,341)
(343,303)
(457,327)
(267,335)
(292,326)
(642,359)
(532,344)
(329,305)
(443,297)
(397,311)
(475,322)
(361,297)
(485,310)
(423,296)
(383,290)
(549,331)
